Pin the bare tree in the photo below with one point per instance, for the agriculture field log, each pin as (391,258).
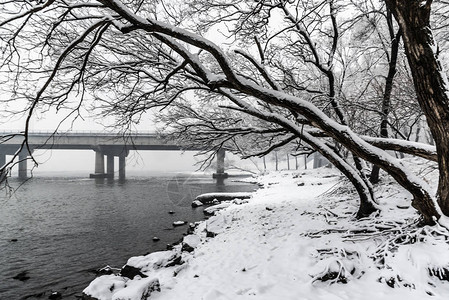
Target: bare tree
(136,56)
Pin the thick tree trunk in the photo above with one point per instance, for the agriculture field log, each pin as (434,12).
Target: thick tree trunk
(430,82)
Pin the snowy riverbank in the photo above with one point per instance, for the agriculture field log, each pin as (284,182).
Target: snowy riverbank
(296,238)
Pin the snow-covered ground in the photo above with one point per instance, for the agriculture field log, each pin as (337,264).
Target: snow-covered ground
(297,238)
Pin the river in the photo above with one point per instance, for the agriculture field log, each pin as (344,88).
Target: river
(60,229)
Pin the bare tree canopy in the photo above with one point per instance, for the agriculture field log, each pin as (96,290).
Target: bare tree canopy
(251,76)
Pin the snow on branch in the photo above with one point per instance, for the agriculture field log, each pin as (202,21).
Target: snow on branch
(414,148)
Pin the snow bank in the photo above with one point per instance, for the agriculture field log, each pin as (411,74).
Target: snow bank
(297,238)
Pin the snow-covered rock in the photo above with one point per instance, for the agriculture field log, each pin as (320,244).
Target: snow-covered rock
(197,203)
(210,197)
(212,209)
(179,223)
(104,287)
(131,272)
(190,242)
(137,289)
(153,261)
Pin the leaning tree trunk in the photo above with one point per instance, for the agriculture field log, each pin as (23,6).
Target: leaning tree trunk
(367,203)
(430,82)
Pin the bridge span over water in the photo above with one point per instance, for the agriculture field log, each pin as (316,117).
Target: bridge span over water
(109,145)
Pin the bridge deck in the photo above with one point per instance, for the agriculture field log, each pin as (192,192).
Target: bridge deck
(91,140)
(103,143)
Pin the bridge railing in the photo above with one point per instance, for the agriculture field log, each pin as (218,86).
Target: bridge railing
(80,133)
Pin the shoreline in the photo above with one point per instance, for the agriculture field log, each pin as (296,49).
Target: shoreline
(171,257)
(297,238)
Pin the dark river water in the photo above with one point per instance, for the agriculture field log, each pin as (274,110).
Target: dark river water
(60,229)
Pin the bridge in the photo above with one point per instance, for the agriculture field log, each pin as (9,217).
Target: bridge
(109,145)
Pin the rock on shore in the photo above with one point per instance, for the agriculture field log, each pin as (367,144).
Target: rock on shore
(210,197)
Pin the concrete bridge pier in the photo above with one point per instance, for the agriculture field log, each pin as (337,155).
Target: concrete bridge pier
(99,162)
(122,165)
(99,165)
(23,165)
(22,159)
(220,174)
(2,159)
(2,163)
(110,152)
(110,166)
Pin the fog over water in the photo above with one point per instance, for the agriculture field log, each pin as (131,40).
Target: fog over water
(137,161)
